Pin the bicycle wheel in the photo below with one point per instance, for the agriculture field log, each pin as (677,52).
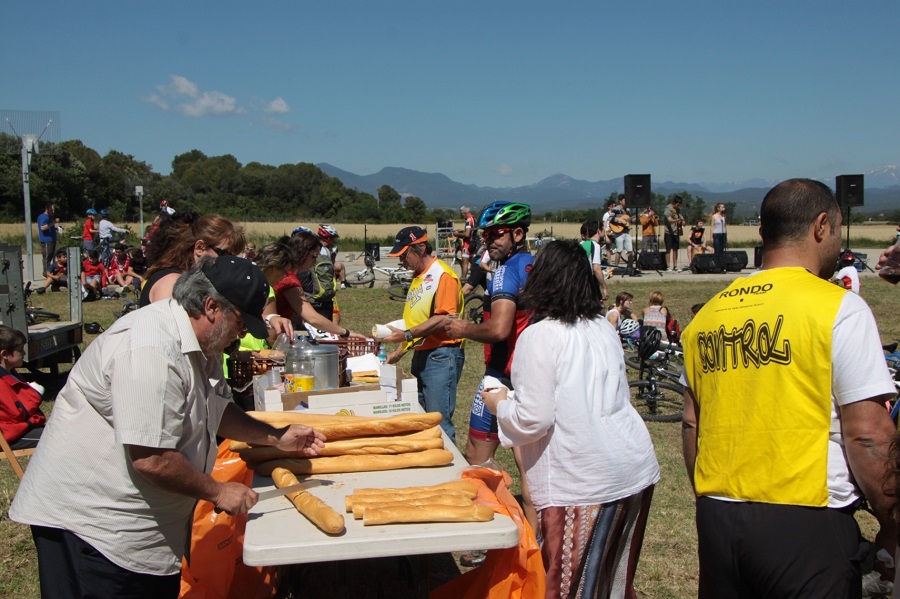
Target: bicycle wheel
(474,308)
(363,278)
(633,360)
(657,401)
(398,292)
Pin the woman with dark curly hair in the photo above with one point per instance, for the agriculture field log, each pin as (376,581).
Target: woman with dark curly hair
(589,461)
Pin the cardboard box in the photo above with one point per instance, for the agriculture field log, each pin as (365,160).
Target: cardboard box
(343,396)
(383,410)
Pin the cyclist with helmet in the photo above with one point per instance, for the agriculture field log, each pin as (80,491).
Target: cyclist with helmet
(106,229)
(505,226)
(165,208)
(90,231)
(322,281)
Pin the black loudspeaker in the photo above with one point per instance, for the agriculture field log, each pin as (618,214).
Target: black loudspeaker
(757,256)
(637,190)
(708,264)
(652,261)
(735,261)
(849,190)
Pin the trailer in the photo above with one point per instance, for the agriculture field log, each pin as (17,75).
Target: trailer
(50,343)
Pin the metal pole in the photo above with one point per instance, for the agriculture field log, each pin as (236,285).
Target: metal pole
(139,192)
(26,191)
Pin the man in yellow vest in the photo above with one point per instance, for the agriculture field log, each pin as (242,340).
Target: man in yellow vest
(783,432)
(434,296)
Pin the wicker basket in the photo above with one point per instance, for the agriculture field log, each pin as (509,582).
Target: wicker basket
(354,348)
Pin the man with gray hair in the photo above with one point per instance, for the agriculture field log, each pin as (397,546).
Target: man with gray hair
(111,490)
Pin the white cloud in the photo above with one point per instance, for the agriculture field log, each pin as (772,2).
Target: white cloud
(180,86)
(182,95)
(277,106)
(505,170)
(157,101)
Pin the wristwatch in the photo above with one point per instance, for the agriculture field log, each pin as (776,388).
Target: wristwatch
(407,334)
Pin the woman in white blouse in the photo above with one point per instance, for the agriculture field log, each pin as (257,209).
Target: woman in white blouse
(588,458)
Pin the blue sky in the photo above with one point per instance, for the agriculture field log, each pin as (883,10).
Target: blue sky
(495,93)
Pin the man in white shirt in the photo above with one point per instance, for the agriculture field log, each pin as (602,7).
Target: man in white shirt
(111,490)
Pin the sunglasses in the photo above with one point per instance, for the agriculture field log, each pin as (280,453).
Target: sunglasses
(496,233)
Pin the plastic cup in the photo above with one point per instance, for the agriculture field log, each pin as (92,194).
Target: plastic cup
(890,270)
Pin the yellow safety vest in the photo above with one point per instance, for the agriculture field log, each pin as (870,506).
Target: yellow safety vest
(420,304)
(758,360)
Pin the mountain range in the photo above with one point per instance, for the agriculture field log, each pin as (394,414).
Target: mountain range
(561,192)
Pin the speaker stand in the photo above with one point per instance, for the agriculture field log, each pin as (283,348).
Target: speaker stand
(866,266)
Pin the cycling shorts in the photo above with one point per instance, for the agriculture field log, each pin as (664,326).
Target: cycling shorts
(483,424)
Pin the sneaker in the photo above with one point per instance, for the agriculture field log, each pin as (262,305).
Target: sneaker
(41,290)
(873,586)
(670,269)
(472,558)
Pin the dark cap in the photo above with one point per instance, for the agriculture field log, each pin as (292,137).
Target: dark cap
(244,285)
(406,237)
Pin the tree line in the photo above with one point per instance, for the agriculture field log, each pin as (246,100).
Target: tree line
(75,177)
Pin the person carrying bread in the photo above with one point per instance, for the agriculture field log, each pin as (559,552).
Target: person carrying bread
(110,491)
(434,297)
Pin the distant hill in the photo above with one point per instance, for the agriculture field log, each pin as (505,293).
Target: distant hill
(561,192)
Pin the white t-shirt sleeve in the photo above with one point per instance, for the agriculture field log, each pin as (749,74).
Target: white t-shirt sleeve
(858,369)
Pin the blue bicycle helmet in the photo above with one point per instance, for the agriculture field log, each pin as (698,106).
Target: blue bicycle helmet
(91,211)
(299,230)
(505,213)
(104,212)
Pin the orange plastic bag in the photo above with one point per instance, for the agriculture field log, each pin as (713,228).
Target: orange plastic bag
(216,569)
(517,572)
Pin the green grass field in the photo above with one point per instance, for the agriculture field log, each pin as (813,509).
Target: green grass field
(668,566)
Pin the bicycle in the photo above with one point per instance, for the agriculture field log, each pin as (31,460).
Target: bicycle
(364,277)
(660,396)
(399,279)
(473,307)
(35,314)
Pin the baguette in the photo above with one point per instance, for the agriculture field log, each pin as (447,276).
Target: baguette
(351,501)
(345,427)
(428,433)
(315,510)
(426,513)
(367,446)
(462,486)
(449,500)
(359,463)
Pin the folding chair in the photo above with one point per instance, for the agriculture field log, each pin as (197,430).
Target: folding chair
(13,456)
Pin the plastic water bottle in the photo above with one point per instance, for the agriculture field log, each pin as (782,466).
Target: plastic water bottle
(382,355)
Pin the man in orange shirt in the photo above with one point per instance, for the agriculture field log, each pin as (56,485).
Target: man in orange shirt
(434,297)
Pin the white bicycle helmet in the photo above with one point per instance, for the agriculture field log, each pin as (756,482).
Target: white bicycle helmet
(628,327)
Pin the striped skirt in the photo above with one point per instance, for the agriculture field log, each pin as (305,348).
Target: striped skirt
(592,551)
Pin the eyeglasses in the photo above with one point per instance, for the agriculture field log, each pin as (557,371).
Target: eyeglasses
(220,251)
(496,233)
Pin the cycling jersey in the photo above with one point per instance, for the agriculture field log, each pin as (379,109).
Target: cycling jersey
(506,284)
